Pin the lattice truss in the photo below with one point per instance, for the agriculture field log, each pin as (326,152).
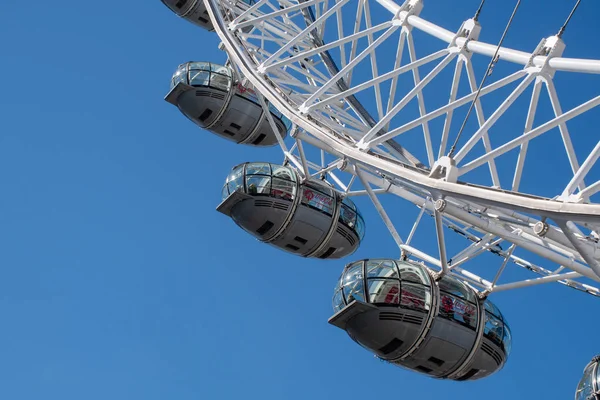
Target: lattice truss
(377,115)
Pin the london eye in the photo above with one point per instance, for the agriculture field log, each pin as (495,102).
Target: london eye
(370,99)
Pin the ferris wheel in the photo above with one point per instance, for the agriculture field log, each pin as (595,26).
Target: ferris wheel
(367,98)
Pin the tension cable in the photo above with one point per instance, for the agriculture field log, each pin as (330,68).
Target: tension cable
(488,72)
(562,29)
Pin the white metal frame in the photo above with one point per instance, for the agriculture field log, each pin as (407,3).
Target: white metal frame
(279,58)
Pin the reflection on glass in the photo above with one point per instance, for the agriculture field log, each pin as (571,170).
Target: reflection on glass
(381,268)
(386,291)
(457,289)
(199,78)
(493,329)
(414,273)
(219,81)
(360,226)
(353,284)
(585,388)
(258,181)
(315,198)
(258,169)
(180,76)
(224,192)
(416,297)
(283,189)
(347,216)
(349,203)
(492,309)
(283,173)
(350,217)
(383,285)
(256,185)
(338,301)
(507,339)
(353,273)
(203,74)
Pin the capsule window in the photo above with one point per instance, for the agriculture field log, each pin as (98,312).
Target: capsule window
(179,76)
(199,78)
(381,269)
(347,216)
(353,284)
(224,192)
(585,389)
(415,297)
(460,311)
(318,200)
(338,301)
(507,340)
(457,289)
(384,291)
(413,273)
(360,227)
(493,329)
(258,169)
(283,189)
(258,185)
(283,173)
(219,81)
(235,181)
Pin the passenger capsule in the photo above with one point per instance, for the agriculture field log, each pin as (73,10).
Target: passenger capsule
(209,95)
(191,10)
(397,311)
(309,219)
(589,385)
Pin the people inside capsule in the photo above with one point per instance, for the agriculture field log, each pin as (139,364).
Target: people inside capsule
(307,218)
(589,385)
(396,310)
(210,96)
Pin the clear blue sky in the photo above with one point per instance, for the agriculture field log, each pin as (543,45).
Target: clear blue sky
(119,280)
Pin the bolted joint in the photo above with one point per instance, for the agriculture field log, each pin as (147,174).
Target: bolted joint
(408,8)
(440,205)
(469,30)
(294,133)
(549,47)
(343,164)
(484,294)
(541,228)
